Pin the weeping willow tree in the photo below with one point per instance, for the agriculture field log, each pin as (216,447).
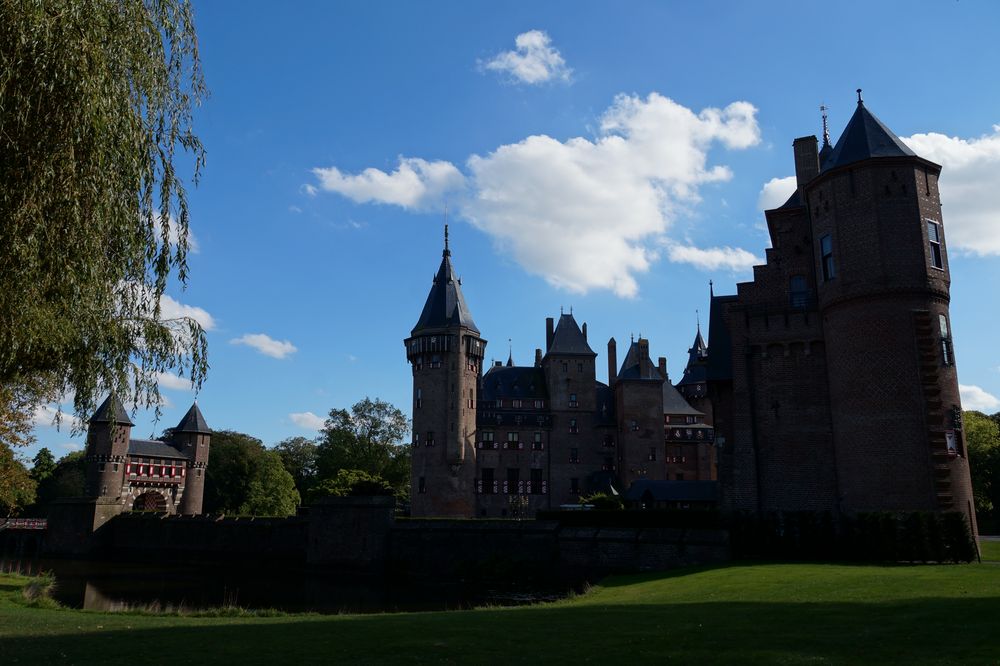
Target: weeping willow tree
(96,101)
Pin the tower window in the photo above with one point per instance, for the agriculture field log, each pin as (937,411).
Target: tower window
(516,404)
(826,252)
(430,438)
(416,439)
(537,444)
(514,441)
(472,399)
(934,241)
(947,352)
(419,401)
(487,440)
(652,453)
(572,400)
(634,425)
(798,291)
(435,360)
(565,366)
(421,485)
(572,426)
(579,367)
(574,455)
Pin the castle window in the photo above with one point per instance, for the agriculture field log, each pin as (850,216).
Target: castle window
(652,453)
(516,404)
(574,486)
(499,404)
(572,400)
(419,401)
(421,485)
(934,240)
(472,399)
(536,445)
(197,472)
(947,352)
(435,360)
(513,441)
(689,419)
(487,440)
(579,367)
(572,426)
(489,483)
(574,455)
(100,467)
(535,485)
(826,252)
(539,404)
(609,442)
(416,439)
(511,484)
(798,291)
(634,425)
(114,467)
(565,366)
(430,438)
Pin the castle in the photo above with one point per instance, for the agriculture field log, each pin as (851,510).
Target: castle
(144,474)
(828,384)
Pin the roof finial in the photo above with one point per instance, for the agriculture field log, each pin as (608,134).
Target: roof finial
(510,354)
(860,101)
(711,290)
(826,128)
(447,252)
(561,310)
(697,318)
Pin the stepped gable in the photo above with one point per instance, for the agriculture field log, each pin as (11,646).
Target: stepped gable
(865,137)
(568,338)
(445,306)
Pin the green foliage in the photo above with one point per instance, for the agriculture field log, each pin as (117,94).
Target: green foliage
(603,501)
(17,488)
(351,482)
(245,478)
(367,439)
(97,99)
(68,479)
(43,465)
(982,438)
(298,455)
(271,491)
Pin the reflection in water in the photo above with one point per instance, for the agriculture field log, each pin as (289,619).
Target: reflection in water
(157,587)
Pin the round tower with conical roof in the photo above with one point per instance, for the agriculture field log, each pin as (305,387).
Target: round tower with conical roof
(107,446)
(445,351)
(883,283)
(193,438)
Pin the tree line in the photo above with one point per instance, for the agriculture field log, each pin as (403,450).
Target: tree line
(357,452)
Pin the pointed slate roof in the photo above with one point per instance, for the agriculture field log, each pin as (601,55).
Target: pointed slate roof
(632,368)
(445,306)
(864,137)
(696,370)
(568,338)
(674,402)
(193,421)
(111,411)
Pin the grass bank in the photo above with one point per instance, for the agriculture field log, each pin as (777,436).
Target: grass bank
(739,614)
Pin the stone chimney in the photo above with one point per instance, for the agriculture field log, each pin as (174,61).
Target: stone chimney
(806,160)
(538,358)
(662,364)
(550,328)
(612,362)
(644,363)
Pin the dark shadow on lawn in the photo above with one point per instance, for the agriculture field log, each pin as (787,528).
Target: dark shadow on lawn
(923,631)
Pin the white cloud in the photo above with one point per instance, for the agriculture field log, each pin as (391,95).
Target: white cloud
(170,308)
(71,446)
(590,214)
(976,398)
(534,61)
(713,258)
(45,416)
(171,381)
(775,192)
(173,235)
(416,183)
(266,345)
(294,209)
(307,420)
(970,180)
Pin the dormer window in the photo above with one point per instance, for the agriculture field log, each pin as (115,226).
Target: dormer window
(934,243)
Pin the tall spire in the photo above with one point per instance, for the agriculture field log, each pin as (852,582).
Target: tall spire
(447,252)
(445,306)
(865,137)
(826,126)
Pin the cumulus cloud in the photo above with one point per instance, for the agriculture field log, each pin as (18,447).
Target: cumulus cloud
(591,213)
(307,420)
(171,381)
(970,180)
(174,235)
(533,61)
(49,416)
(713,258)
(416,183)
(171,308)
(266,345)
(976,398)
(775,192)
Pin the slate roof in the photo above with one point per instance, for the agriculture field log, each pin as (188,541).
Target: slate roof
(720,358)
(674,402)
(568,338)
(864,137)
(111,411)
(632,369)
(678,491)
(152,448)
(696,370)
(794,201)
(445,306)
(527,382)
(193,421)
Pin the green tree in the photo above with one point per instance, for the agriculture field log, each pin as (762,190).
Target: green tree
(43,465)
(603,501)
(298,455)
(366,438)
(231,467)
(351,482)
(982,437)
(95,139)
(271,491)
(68,479)
(17,488)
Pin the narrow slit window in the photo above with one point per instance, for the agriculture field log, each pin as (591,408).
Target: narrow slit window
(826,252)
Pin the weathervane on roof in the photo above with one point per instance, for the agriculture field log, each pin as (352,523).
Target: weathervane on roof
(860,101)
(697,319)
(826,128)
(447,252)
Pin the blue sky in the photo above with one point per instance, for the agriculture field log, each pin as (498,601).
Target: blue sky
(604,157)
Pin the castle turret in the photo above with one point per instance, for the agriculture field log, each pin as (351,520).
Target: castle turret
(446,352)
(193,438)
(883,282)
(107,447)
(639,405)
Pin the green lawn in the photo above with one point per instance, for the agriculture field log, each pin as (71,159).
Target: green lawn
(989,551)
(739,614)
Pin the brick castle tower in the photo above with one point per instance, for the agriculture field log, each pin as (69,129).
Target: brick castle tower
(445,351)
(107,448)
